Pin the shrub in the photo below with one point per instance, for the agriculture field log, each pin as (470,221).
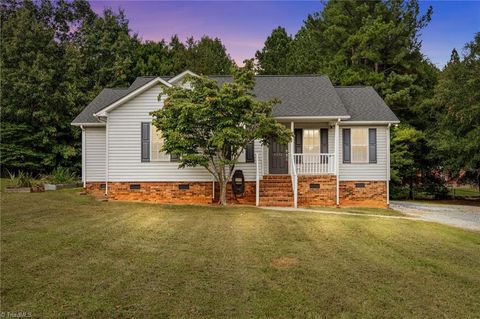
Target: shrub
(21,179)
(62,175)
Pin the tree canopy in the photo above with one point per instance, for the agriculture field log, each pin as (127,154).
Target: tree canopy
(56,56)
(207,125)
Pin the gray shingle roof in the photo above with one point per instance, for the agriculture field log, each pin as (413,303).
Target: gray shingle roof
(364,104)
(107,97)
(303,95)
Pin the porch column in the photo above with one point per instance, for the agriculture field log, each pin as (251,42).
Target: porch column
(337,160)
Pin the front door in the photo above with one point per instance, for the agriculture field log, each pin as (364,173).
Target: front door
(277,158)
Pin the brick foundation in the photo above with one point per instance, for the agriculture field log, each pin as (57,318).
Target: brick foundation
(170,192)
(372,194)
(312,191)
(310,195)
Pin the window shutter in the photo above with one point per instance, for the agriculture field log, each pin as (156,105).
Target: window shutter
(145,142)
(324,140)
(250,152)
(298,141)
(298,144)
(372,145)
(346,146)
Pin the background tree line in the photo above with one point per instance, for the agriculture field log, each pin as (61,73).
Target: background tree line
(57,55)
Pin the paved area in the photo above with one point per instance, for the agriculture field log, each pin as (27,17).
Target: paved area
(463,216)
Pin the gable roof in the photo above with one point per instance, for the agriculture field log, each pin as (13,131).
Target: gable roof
(364,104)
(301,96)
(106,97)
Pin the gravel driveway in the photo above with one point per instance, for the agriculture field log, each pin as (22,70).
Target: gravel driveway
(463,216)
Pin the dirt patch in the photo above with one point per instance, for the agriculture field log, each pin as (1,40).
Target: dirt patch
(284,262)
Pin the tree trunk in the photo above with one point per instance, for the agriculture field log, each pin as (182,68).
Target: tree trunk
(223,193)
(410,192)
(478,180)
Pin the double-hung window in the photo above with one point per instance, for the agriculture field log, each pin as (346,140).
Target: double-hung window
(360,145)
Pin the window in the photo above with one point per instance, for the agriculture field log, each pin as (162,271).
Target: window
(311,141)
(156,146)
(359,145)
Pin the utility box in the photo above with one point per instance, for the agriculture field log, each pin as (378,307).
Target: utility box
(238,182)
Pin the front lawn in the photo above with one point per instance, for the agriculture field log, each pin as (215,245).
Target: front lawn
(360,210)
(65,255)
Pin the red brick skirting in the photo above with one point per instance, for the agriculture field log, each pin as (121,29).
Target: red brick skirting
(363,193)
(169,192)
(317,190)
(312,191)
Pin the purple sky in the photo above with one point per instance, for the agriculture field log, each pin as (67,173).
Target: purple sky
(244,25)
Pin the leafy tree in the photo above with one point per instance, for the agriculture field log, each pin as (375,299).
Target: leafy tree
(153,58)
(208,56)
(210,126)
(108,51)
(456,106)
(408,149)
(39,93)
(272,59)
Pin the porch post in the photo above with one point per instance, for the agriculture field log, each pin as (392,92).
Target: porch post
(292,147)
(337,161)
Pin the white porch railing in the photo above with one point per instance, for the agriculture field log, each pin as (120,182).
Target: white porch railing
(312,164)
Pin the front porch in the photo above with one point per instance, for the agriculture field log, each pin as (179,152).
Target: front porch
(305,168)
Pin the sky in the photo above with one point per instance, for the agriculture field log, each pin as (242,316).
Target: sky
(243,26)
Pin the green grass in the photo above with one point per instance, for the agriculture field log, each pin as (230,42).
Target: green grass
(360,210)
(65,255)
(463,191)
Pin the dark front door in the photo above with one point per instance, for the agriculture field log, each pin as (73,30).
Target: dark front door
(277,158)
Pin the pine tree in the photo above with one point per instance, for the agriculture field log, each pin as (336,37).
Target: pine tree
(272,59)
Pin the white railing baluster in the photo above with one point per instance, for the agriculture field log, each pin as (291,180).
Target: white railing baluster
(311,164)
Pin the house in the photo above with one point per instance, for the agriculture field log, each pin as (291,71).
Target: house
(340,153)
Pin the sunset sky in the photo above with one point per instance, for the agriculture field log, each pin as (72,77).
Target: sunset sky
(244,25)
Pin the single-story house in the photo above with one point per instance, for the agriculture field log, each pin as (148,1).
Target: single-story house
(339,156)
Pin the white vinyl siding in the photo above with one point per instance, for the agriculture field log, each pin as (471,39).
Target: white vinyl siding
(95,147)
(124,130)
(366,171)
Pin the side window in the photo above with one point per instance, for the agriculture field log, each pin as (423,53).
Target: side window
(360,145)
(156,146)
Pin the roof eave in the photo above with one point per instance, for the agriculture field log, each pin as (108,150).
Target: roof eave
(312,118)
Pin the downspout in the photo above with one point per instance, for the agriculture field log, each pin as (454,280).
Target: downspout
(337,161)
(84,148)
(388,165)
(106,155)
